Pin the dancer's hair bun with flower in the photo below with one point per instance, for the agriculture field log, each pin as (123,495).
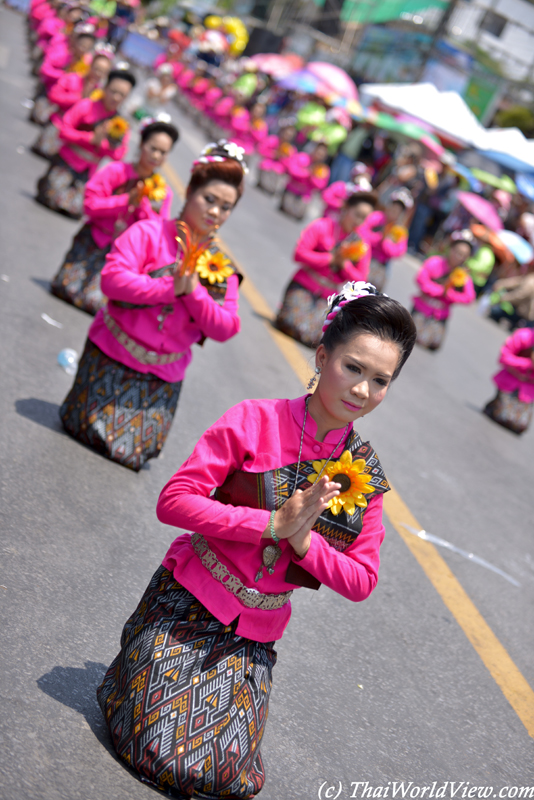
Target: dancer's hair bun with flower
(352,290)
(221,151)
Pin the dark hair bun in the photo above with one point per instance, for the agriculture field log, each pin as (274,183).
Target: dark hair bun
(123,75)
(160,127)
(229,171)
(376,314)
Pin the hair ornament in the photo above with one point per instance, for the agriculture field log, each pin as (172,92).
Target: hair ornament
(122,66)
(106,50)
(161,117)
(464,236)
(352,290)
(85,28)
(221,151)
(359,184)
(164,69)
(402,196)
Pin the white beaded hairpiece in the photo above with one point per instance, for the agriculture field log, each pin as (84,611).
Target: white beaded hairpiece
(351,291)
(402,196)
(232,150)
(464,236)
(161,117)
(359,184)
(106,50)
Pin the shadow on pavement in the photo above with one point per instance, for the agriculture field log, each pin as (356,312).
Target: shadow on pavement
(75,687)
(40,411)
(42,283)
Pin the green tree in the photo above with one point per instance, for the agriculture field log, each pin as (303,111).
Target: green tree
(516,117)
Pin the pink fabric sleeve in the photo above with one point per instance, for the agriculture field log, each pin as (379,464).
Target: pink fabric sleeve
(66,91)
(116,153)
(99,201)
(374,220)
(215,321)
(431,269)
(122,277)
(334,193)
(467,295)
(305,250)
(49,70)
(319,183)
(185,501)
(354,573)
(393,249)
(69,125)
(522,339)
(268,147)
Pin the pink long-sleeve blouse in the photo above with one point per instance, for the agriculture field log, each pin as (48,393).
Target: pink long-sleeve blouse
(256,436)
(106,202)
(382,247)
(514,353)
(57,59)
(313,251)
(168,324)
(304,176)
(77,130)
(67,90)
(436,300)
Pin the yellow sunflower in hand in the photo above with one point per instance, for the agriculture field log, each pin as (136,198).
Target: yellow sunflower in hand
(214,267)
(353,481)
(155,188)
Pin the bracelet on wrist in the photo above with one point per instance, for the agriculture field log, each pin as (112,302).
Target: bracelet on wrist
(274,537)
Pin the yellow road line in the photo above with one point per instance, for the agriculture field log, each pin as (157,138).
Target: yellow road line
(495,657)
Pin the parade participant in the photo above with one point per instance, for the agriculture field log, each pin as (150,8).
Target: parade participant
(140,344)
(90,130)
(116,197)
(71,54)
(387,235)
(513,403)
(274,151)
(328,253)
(155,94)
(308,173)
(66,92)
(443,281)
(335,195)
(228,582)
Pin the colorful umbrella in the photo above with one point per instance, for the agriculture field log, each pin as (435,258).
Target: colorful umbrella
(525,185)
(311,114)
(276,65)
(521,250)
(300,81)
(465,172)
(335,78)
(498,182)
(481,209)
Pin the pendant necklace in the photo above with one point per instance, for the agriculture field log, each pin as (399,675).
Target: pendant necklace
(272,552)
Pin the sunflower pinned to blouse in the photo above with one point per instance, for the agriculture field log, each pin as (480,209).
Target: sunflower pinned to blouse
(155,188)
(354,483)
(116,130)
(96,94)
(458,278)
(214,267)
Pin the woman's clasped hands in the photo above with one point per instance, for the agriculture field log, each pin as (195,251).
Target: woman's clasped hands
(295,519)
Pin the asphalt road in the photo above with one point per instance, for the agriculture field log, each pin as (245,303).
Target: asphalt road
(388,690)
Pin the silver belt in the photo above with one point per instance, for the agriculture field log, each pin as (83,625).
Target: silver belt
(139,352)
(250,598)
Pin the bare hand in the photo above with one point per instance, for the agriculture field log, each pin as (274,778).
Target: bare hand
(136,194)
(295,519)
(185,284)
(338,259)
(99,134)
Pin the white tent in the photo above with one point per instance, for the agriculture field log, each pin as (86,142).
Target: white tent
(446,112)
(508,142)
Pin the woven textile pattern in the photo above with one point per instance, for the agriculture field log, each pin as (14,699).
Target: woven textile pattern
(508,410)
(123,414)
(302,315)
(430,331)
(186,699)
(78,279)
(62,188)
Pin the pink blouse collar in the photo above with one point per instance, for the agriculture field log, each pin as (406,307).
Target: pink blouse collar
(298,406)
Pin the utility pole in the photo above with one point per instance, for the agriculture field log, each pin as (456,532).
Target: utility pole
(440,31)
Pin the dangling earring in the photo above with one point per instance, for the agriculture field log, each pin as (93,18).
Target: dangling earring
(313,379)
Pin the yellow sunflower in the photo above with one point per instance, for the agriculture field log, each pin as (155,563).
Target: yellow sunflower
(214,267)
(96,94)
(117,127)
(352,479)
(155,188)
(458,277)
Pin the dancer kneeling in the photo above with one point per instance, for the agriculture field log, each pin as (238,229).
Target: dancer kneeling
(186,699)
(512,406)
(329,253)
(162,300)
(116,197)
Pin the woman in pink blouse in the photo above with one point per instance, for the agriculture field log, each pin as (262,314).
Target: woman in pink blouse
(186,699)
(387,235)
(329,253)
(307,173)
(275,150)
(140,343)
(443,281)
(86,141)
(69,90)
(512,406)
(116,197)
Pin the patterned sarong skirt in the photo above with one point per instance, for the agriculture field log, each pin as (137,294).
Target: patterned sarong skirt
(78,279)
(48,143)
(302,315)
(430,331)
(509,411)
(62,188)
(378,274)
(123,414)
(186,700)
